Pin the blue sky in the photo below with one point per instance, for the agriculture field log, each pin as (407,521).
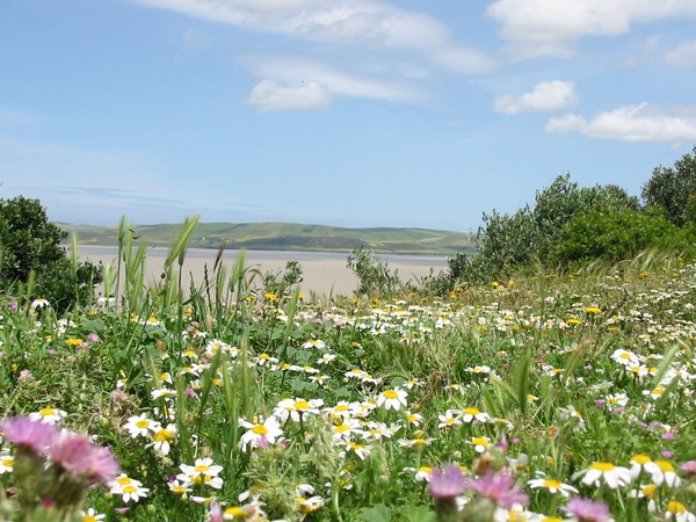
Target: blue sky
(343,112)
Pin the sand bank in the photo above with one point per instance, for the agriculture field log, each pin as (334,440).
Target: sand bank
(324,273)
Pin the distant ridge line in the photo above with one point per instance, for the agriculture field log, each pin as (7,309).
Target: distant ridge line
(290,236)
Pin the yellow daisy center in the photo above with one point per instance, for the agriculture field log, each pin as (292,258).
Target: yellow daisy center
(163,435)
(664,466)
(391,394)
(552,484)
(603,466)
(676,507)
(260,429)
(641,459)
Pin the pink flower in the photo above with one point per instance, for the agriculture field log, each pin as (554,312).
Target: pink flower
(216,512)
(21,431)
(105,467)
(26,376)
(76,454)
(70,451)
(689,467)
(587,511)
(447,484)
(500,488)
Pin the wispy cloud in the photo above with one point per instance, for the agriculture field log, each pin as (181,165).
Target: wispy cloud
(292,83)
(545,96)
(641,123)
(99,185)
(268,95)
(196,38)
(549,27)
(683,55)
(362,23)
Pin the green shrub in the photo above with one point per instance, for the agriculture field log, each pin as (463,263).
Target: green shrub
(614,236)
(29,244)
(670,188)
(374,275)
(510,242)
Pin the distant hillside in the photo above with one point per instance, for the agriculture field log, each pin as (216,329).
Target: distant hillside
(290,236)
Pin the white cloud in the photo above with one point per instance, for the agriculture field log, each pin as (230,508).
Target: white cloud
(268,95)
(547,27)
(290,83)
(566,124)
(364,23)
(545,96)
(683,55)
(642,123)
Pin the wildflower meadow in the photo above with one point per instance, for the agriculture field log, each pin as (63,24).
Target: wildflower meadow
(547,397)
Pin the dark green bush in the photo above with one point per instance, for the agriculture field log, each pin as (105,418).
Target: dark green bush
(510,242)
(618,235)
(29,244)
(670,188)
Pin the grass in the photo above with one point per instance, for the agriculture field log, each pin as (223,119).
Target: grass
(343,410)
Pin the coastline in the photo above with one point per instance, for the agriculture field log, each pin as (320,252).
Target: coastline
(324,273)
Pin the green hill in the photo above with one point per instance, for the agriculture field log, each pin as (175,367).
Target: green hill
(290,236)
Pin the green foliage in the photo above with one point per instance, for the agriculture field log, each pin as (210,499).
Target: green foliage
(374,275)
(670,189)
(30,245)
(505,242)
(508,243)
(615,236)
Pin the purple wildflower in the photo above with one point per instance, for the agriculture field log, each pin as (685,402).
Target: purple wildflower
(689,467)
(448,483)
(70,451)
(216,512)
(586,510)
(500,488)
(502,444)
(26,376)
(23,432)
(76,454)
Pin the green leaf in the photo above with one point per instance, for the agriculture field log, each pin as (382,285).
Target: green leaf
(417,514)
(376,513)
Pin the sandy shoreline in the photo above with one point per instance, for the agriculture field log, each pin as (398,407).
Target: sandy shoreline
(324,273)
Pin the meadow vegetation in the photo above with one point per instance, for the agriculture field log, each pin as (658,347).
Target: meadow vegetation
(535,391)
